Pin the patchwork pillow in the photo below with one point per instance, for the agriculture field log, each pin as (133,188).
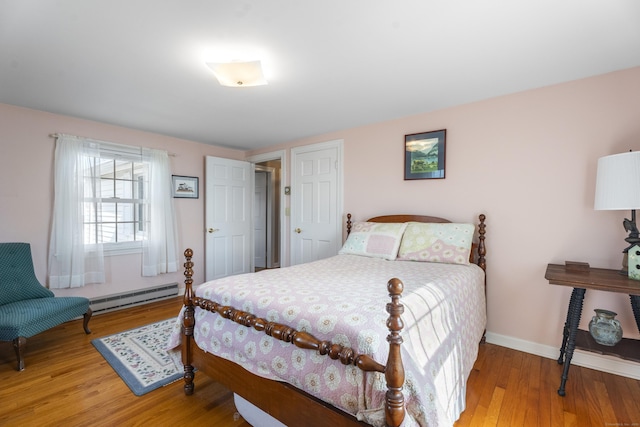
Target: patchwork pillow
(374,239)
(434,242)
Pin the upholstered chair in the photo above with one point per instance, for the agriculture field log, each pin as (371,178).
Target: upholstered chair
(26,307)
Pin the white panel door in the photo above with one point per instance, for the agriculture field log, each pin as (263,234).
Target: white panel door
(228,219)
(316,202)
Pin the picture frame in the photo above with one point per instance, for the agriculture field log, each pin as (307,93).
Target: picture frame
(185,187)
(424,155)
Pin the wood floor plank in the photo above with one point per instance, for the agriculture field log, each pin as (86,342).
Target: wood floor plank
(67,382)
(478,417)
(590,379)
(532,415)
(493,412)
(630,398)
(569,420)
(545,394)
(490,379)
(576,389)
(613,387)
(520,413)
(512,390)
(609,416)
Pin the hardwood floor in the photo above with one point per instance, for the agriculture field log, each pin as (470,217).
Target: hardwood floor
(67,382)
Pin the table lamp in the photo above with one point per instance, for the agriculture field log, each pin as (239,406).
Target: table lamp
(618,188)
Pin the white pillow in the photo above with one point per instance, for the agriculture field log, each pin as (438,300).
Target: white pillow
(374,239)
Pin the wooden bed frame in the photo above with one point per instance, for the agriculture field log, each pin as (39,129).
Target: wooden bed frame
(283,401)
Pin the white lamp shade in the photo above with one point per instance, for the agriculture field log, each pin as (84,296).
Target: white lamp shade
(238,74)
(618,182)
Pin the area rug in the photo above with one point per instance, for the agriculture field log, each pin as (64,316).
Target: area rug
(140,358)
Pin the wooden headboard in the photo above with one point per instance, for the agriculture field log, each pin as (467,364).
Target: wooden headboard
(478,250)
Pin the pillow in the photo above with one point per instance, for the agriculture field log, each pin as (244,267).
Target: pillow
(434,242)
(374,239)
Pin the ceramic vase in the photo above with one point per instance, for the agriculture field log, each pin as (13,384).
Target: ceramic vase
(604,328)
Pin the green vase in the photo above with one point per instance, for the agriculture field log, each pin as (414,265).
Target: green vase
(604,328)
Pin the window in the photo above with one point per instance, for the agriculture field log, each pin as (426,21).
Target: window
(117,216)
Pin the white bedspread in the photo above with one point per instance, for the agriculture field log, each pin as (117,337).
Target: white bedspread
(343,299)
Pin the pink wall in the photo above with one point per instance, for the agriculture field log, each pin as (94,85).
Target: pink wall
(26,191)
(528,161)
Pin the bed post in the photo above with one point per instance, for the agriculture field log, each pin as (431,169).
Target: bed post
(394,371)
(348,224)
(482,251)
(188,324)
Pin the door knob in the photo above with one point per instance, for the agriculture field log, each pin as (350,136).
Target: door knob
(212,230)
(297,230)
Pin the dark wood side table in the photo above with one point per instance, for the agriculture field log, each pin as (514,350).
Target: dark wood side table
(599,279)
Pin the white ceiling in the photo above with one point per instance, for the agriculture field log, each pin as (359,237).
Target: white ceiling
(331,64)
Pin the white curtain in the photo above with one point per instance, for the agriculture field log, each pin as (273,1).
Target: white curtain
(159,253)
(76,255)
(72,263)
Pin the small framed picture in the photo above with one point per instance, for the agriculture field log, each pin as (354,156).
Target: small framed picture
(424,155)
(185,186)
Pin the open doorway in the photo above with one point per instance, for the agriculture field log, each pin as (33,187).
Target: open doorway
(267,224)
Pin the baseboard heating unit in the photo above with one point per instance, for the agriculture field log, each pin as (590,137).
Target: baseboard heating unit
(129,299)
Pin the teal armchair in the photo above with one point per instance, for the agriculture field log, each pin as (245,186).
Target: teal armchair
(26,307)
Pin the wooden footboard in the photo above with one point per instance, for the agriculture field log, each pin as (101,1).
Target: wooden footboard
(291,405)
(394,370)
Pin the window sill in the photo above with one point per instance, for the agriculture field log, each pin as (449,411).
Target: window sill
(115,249)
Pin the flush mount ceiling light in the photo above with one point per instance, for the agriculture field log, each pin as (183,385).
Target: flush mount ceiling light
(238,73)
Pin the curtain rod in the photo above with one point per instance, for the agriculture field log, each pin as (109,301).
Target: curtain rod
(58,135)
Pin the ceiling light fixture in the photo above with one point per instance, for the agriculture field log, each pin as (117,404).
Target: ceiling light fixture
(238,73)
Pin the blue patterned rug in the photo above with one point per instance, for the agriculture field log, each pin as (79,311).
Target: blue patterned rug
(140,358)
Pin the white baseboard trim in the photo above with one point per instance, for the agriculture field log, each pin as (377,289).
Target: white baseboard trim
(609,364)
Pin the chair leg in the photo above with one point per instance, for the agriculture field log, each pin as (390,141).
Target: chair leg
(85,323)
(19,344)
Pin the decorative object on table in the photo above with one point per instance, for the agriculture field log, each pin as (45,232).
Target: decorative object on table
(577,267)
(424,155)
(185,186)
(618,188)
(634,262)
(604,327)
(139,356)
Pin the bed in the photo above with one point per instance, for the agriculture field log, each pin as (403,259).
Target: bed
(305,344)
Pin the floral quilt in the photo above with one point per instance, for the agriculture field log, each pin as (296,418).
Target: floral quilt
(343,299)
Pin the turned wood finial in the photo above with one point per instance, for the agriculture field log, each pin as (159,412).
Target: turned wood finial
(348,224)
(482,250)
(395,287)
(188,274)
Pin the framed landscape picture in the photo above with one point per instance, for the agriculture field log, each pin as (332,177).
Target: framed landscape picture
(424,155)
(185,186)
